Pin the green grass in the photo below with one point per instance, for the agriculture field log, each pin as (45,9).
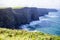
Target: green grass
(9,34)
(16,7)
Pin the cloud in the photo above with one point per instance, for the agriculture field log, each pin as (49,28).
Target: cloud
(31,3)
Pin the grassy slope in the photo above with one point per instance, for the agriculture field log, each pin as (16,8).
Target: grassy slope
(16,7)
(9,34)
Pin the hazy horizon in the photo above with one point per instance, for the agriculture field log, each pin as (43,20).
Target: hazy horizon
(31,3)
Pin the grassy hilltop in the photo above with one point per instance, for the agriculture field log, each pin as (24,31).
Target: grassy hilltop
(9,34)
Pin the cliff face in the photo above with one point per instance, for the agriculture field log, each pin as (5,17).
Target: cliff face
(13,18)
(7,18)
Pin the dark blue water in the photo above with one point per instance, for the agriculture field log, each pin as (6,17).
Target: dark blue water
(47,24)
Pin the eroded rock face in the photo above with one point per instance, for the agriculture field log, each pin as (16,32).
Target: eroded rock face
(13,18)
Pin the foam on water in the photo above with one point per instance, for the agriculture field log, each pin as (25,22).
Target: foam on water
(47,24)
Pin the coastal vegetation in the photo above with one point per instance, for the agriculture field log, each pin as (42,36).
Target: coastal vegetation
(13,34)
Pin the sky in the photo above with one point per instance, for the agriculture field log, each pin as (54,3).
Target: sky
(31,3)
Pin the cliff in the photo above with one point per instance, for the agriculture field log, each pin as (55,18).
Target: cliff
(13,18)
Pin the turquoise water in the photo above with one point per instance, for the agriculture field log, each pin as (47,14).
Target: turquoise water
(47,24)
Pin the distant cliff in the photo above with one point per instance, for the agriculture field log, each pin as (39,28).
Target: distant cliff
(13,18)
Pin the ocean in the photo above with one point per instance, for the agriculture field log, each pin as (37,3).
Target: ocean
(49,24)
